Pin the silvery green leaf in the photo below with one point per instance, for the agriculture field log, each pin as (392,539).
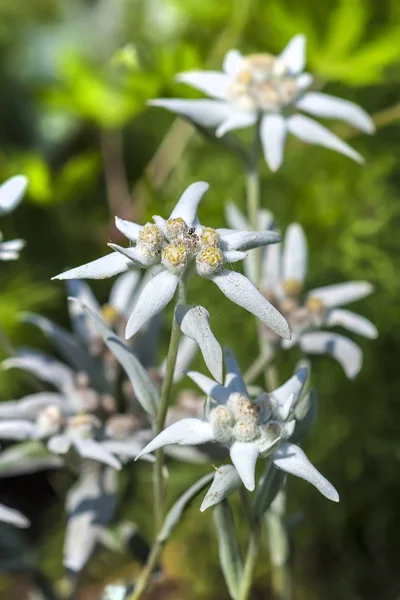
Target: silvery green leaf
(230,556)
(305,414)
(90,504)
(11,192)
(71,349)
(184,432)
(273,137)
(277,534)
(12,516)
(271,481)
(226,482)
(294,54)
(235,218)
(208,113)
(88,448)
(209,386)
(101,268)
(186,207)
(330,107)
(181,505)
(145,390)
(30,406)
(212,83)
(43,367)
(27,457)
(194,322)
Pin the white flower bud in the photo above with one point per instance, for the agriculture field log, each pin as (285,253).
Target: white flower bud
(246,431)
(243,407)
(151,236)
(83,426)
(223,421)
(209,237)
(49,421)
(208,261)
(174,258)
(175,228)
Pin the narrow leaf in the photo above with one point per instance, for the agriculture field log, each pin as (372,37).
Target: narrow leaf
(176,512)
(268,487)
(145,390)
(230,556)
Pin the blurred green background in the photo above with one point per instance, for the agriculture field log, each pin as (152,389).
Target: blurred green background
(74,79)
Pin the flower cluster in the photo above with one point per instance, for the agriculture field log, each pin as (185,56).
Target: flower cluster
(172,247)
(250,428)
(266,88)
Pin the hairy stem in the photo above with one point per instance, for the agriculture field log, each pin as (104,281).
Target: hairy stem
(158,479)
(145,576)
(253,200)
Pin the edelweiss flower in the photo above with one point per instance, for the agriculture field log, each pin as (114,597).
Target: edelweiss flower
(283,277)
(179,245)
(11,193)
(269,88)
(248,427)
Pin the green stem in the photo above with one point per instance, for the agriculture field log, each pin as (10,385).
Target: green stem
(158,479)
(144,578)
(258,366)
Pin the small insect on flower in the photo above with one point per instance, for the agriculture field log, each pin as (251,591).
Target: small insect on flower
(181,246)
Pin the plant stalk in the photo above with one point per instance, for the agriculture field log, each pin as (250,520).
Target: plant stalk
(158,479)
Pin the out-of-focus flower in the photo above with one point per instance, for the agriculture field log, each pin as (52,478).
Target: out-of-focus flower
(11,193)
(172,247)
(12,516)
(268,89)
(284,272)
(248,427)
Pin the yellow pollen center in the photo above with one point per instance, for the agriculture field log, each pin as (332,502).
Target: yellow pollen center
(292,287)
(175,227)
(315,305)
(209,237)
(211,256)
(174,255)
(150,234)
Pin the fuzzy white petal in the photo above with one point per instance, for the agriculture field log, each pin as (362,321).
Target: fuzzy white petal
(294,259)
(233,378)
(240,290)
(209,386)
(11,193)
(233,256)
(352,322)
(138,258)
(190,432)
(194,322)
(186,207)
(244,457)
(235,218)
(342,293)
(247,240)
(313,133)
(273,137)
(323,105)
(288,394)
(345,351)
(17,429)
(236,120)
(291,458)
(122,292)
(12,516)
(304,81)
(208,113)
(129,229)
(154,297)
(232,62)
(101,268)
(213,83)
(226,481)
(294,55)
(88,448)
(271,271)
